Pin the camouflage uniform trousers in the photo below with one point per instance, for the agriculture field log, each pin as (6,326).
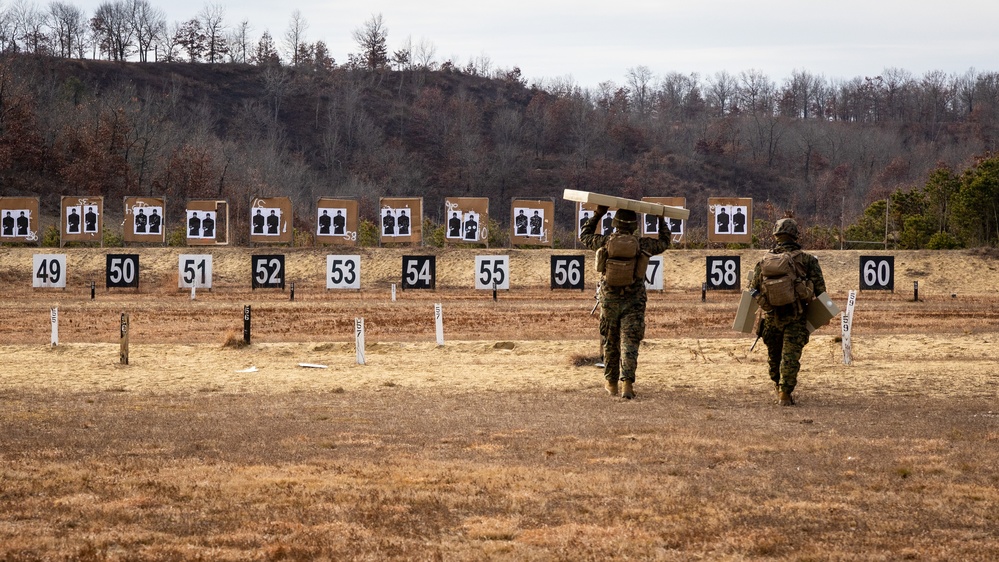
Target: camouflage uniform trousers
(785,342)
(622,327)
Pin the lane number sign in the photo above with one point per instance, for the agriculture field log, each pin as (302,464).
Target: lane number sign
(877,273)
(654,274)
(122,270)
(419,272)
(343,272)
(492,270)
(723,272)
(568,272)
(194,270)
(49,271)
(267,271)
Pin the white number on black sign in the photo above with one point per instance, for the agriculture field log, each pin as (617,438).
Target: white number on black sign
(877,273)
(343,272)
(654,274)
(194,270)
(491,270)
(419,272)
(723,272)
(268,272)
(49,271)
(567,272)
(122,270)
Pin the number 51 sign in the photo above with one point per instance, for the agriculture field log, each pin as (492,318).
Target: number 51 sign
(194,270)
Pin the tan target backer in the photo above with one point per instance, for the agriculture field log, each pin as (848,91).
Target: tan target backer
(145,220)
(336,221)
(206,222)
(531,222)
(19,220)
(271,220)
(730,220)
(400,220)
(82,219)
(650,222)
(466,220)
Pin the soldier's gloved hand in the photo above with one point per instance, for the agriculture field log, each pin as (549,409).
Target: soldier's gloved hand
(602,210)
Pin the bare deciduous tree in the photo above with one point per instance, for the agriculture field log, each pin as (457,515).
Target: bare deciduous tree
(114,32)
(212,19)
(69,28)
(150,27)
(294,37)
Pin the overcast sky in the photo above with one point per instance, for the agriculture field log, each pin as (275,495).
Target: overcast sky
(596,41)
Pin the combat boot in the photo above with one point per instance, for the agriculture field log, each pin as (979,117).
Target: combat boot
(627,392)
(611,387)
(784,398)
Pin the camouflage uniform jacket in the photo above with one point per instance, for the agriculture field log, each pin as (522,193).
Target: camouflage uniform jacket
(649,246)
(808,263)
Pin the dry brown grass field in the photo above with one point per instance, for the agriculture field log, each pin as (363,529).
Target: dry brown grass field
(501,444)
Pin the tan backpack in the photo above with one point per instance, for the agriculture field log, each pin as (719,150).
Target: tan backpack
(783,282)
(621,264)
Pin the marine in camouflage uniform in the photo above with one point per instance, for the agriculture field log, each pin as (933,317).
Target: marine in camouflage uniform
(622,309)
(784,329)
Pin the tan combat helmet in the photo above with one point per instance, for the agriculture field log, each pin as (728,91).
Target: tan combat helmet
(625,221)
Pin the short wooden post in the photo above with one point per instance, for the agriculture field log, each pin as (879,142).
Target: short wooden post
(123,345)
(246,324)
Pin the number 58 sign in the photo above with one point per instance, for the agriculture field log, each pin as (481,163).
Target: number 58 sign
(723,272)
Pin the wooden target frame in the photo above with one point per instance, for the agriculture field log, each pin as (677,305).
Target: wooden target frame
(19,220)
(472,216)
(145,219)
(81,219)
(333,232)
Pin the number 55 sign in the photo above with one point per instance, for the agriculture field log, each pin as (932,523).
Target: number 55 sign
(492,272)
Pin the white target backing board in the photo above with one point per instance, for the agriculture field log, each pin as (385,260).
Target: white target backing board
(492,272)
(343,272)
(654,274)
(48,271)
(194,270)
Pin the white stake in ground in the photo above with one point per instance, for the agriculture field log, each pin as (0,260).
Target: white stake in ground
(55,326)
(393,292)
(359,339)
(439,322)
(847,320)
